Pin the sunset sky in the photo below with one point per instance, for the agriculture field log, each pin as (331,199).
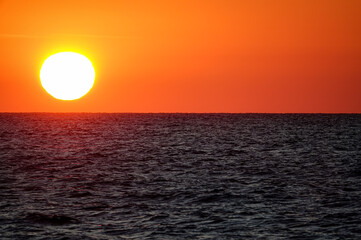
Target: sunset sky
(275,56)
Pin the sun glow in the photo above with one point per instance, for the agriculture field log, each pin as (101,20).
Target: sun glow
(67,75)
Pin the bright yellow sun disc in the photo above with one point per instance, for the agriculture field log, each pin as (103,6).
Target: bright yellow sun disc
(67,75)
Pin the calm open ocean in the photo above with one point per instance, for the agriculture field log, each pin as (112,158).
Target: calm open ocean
(180,176)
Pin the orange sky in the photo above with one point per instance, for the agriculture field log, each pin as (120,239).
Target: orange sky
(187,55)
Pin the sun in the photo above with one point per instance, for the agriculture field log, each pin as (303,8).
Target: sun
(67,75)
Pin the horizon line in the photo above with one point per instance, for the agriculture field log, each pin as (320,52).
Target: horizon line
(43,112)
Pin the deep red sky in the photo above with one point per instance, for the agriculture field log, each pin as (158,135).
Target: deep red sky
(187,56)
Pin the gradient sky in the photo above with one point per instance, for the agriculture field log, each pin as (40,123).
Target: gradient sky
(187,55)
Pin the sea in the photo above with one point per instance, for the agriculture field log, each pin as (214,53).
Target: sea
(180,176)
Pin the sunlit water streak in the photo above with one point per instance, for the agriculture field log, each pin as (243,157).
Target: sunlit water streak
(178,176)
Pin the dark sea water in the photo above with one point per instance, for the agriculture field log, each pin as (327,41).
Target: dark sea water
(180,176)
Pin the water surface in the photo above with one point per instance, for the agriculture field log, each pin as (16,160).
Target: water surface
(180,176)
